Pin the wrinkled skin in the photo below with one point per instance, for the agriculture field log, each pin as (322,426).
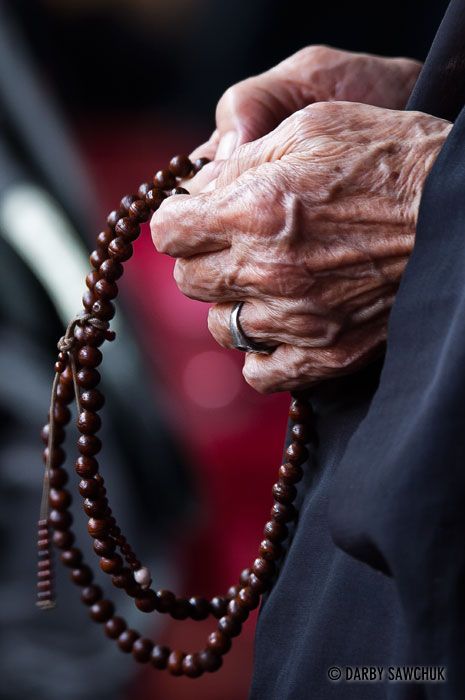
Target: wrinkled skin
(312,226)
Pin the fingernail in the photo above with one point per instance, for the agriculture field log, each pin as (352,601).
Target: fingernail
(227,145)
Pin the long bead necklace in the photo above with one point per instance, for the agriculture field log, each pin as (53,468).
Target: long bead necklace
(76,377)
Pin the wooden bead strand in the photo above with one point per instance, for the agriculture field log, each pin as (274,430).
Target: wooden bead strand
(77,376)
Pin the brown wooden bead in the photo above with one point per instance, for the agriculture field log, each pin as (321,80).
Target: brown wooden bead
(147,601)
(89,356)
(296,453)
(262,568)
(89,445)
(103,309)
(102,611)
(237,610)
(218,606)
(103,239)
(199,164)
(175,660)
(111,565)
(60,520)
(91,279)
(97,508)
(98,527)
(284,492)
(61,414)
(139,210)
(57,477)
(120,249)
(164,179)
(97,257)
(275,531)
(283,512)
(89,422)
(301,433)
(154,198)
(88,378)
(233,591)
(180,609)
(159,656)
(126,202)
(111,270)
(79,333)
(60,499)
(179,190)
(165,600)
(104,289)
(199,608)
(86,467)
(128,228)
(89,488)
(219,642)
(44,595)
(144,189)
(114,216)
(65,394)
(210,661)
(180,166)
(191,666)
(142,650)
(71,557)
(244,577)
(270,550)
(63,539)
(126,640)
(92,400)
(249,597)
(104,548)
(290,473)
(57,457)
(59,433)
(82,575)
(300,412)
(124,579)
(88,299)
(91,594)
(231,626)
(114,627)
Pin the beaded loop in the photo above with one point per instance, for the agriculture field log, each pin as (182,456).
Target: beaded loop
(76,375)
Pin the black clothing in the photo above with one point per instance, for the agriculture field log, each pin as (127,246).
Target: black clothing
(375,573)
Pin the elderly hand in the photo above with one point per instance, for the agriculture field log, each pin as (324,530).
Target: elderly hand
(252,108)
(311,226)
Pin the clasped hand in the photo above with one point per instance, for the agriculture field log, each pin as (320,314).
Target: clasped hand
(311,226)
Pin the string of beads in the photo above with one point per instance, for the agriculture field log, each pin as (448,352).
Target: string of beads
(77,377)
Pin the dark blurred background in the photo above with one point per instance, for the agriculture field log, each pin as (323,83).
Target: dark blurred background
(95,95)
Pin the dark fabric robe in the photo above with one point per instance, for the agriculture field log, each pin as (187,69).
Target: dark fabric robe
(375,572)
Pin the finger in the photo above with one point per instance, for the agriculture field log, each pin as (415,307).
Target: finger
(207,277)
(291,367)
(186,225)
(273,322)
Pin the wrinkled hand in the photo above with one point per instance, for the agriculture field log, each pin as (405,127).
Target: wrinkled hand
(311,226)
(252,108)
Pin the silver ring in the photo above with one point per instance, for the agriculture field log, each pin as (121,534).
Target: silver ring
(239,338)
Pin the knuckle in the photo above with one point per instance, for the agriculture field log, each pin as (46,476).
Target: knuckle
(180,277)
